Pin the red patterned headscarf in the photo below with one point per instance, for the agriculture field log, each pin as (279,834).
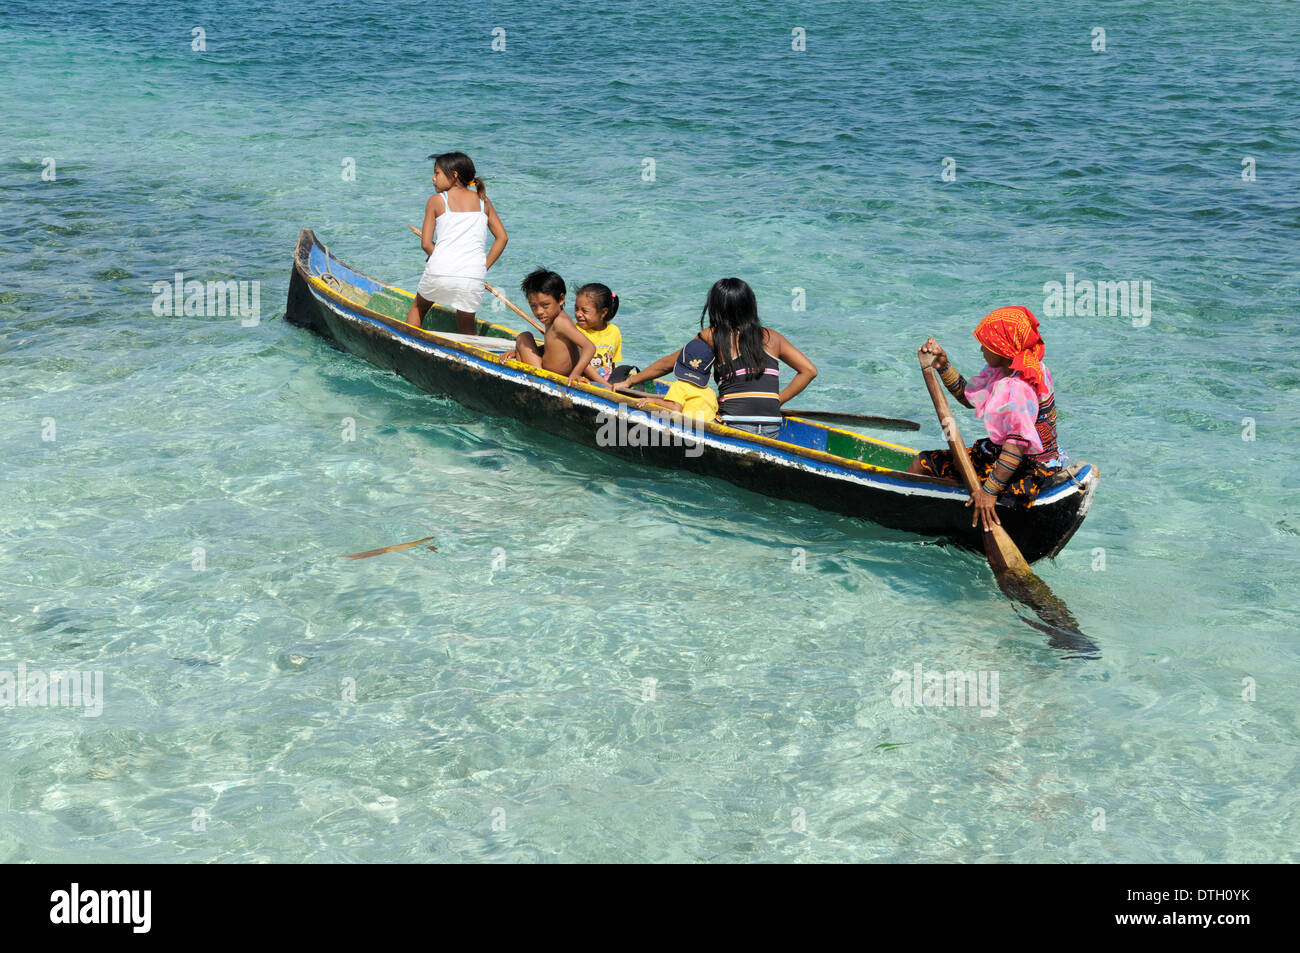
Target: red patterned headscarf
(1013,332)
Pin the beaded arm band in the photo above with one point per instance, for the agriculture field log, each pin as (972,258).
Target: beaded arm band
(952,380)
(1011,458)
(992,486)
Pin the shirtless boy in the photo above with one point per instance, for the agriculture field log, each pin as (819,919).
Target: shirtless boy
(565,349)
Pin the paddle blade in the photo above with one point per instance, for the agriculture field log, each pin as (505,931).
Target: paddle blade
(1004,554)
(1021,584)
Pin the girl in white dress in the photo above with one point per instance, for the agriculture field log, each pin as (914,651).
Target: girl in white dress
(456,223)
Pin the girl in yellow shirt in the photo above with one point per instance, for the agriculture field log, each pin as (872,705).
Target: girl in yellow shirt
(593,310)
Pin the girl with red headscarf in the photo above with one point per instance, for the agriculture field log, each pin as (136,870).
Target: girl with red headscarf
(1014,397)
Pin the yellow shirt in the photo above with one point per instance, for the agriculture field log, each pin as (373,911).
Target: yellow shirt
(609,349)
(698,402)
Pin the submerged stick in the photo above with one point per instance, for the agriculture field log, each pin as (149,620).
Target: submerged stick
(387,549)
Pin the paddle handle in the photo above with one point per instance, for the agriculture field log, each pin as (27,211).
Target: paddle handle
(1002,552)
(949,425)
(527,317)
(854,420)
(509,304)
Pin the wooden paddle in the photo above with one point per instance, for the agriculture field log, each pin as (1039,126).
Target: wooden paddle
(527,317)
(855,420)
(1014,576)
(860,420)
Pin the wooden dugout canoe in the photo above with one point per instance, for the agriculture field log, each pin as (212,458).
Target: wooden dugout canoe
(808,462)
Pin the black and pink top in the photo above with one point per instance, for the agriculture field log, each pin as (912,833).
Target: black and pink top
(750,400)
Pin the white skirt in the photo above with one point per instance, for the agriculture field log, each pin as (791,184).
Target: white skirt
(459,294)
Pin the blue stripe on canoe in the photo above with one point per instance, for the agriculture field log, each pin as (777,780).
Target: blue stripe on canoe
(317,263)
(804,435)
(874,476)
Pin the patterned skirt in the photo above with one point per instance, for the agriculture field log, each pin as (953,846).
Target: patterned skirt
(1025,484)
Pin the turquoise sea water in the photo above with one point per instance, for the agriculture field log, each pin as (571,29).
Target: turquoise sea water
(502,711)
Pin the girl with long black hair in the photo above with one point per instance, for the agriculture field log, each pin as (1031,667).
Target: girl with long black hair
(747,362)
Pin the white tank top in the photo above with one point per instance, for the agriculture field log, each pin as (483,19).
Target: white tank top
(459,244)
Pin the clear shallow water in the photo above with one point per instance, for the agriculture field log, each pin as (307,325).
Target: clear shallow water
(516,695)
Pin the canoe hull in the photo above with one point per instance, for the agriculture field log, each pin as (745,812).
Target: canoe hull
(475,379)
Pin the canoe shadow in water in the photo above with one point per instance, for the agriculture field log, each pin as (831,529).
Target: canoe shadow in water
(1055,619)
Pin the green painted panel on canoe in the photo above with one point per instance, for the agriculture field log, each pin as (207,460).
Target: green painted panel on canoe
(865,451)
(352,292)
(436,319)
(391,305)
(488,331)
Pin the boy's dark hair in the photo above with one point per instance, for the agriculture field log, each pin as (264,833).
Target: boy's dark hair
(605,299)
(540,281)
